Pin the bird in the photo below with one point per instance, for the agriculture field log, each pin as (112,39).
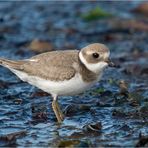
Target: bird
(62,72)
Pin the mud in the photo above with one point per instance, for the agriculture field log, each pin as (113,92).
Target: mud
(110,113)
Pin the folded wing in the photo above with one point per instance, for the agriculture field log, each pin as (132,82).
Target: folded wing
(55,66)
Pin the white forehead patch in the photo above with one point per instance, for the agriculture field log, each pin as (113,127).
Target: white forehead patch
(94,67)
(89,52)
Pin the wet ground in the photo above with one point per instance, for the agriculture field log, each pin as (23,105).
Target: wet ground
(112,113)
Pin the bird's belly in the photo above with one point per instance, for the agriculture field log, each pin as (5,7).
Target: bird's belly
(61,88)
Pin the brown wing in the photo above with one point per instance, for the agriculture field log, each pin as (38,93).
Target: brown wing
(51,65)
(11,64)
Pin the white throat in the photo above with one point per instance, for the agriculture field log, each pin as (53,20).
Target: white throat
(94,67)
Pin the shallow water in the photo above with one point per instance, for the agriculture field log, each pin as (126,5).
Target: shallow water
(102,116)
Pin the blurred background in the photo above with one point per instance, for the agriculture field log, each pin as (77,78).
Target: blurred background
(114,112)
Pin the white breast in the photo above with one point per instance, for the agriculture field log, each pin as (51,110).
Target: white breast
(61,88)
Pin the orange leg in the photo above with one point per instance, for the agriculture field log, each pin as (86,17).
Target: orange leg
(57,110)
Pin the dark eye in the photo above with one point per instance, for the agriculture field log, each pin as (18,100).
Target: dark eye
(95,55)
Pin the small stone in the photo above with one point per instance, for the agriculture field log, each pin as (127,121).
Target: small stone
(18,101)
(39,46)
(142,9)
(143,141)
(123,87)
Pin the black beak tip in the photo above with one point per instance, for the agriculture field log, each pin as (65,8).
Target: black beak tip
(110,63)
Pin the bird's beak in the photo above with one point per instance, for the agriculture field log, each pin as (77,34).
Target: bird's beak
(110,63)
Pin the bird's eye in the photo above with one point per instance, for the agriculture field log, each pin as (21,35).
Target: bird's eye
(95,55)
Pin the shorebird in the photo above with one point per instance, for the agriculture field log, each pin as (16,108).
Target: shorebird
(62,73)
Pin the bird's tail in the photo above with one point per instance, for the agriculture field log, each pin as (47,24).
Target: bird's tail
(11,64)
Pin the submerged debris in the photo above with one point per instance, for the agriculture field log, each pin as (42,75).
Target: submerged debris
(142,8)
(93,127)
(73,109)
(143,141)
(39,46)
(73,143)
(10,139)
(131,25)
(123,87)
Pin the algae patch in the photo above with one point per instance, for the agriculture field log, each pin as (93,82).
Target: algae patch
(95,14)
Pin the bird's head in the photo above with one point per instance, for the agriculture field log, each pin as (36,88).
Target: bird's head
(95,57)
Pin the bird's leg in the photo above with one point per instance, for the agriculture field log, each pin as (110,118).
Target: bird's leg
(60,111)
(57,110)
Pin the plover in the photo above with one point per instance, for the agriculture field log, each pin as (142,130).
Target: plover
(62,73)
